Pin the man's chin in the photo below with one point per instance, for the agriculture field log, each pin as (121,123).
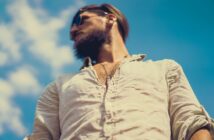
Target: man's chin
(88,45)
(78,38)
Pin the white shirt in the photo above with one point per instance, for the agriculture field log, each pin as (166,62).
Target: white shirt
(144,100)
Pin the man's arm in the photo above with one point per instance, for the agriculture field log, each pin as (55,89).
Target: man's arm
(46,123)
(187,115)
(201,134)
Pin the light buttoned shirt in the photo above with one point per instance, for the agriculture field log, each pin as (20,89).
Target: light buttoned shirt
(144,100)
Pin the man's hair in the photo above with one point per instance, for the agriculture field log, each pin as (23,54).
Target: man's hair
(121,19)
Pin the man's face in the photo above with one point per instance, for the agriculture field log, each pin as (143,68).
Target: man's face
(90,35)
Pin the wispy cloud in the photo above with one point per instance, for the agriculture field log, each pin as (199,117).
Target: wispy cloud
(40,32)
(9,47)
(23,80)
(35,31)
(10,114)
(20,81)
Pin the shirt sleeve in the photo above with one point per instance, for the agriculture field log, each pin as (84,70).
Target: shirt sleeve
(186,114)
(46,123)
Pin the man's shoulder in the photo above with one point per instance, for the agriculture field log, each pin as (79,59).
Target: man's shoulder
(164,64)
(58,82)
(62,79)
(65,77)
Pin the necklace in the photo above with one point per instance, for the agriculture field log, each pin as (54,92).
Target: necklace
(108,75)
(112,71)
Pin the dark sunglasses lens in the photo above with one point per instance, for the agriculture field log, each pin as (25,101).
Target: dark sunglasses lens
(78,20)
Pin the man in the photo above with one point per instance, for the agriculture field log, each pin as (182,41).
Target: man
(117,95)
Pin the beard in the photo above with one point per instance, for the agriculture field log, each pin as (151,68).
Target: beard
(89,44)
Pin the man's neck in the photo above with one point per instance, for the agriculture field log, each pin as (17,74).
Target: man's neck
(113,52)
(111,55)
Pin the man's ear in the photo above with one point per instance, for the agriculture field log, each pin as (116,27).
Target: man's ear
(111,19)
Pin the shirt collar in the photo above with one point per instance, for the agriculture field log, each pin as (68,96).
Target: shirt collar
(135,57)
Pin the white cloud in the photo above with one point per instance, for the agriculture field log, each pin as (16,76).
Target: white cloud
(33,30)
(8,44)
(3,58)
(24,81)
(42,31)
(9,114)
(6,89)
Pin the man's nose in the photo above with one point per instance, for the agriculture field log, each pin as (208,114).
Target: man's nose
(73,31)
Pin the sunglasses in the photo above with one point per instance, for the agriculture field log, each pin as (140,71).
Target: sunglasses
(78,20)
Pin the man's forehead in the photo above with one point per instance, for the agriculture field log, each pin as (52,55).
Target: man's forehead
(88,13)
(92,11)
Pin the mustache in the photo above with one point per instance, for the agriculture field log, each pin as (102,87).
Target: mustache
(75,30)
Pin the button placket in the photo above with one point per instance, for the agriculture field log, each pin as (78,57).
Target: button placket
(108,112)
(99,94)
(112,94)
(109,123)
(107,129)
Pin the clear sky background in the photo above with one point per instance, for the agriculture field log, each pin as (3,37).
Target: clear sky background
(35,48)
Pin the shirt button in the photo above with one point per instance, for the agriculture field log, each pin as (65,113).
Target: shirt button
(108,115)
(113,138)
(98,121)
(107,130)
(108,105)
(99,95)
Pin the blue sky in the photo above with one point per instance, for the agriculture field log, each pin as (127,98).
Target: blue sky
(35,48)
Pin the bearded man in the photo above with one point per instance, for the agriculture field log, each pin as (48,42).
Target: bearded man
(115,95)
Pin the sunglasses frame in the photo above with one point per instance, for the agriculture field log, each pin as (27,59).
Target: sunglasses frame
(78,19)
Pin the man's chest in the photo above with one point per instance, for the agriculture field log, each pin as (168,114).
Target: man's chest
(134,100)
(130,85)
